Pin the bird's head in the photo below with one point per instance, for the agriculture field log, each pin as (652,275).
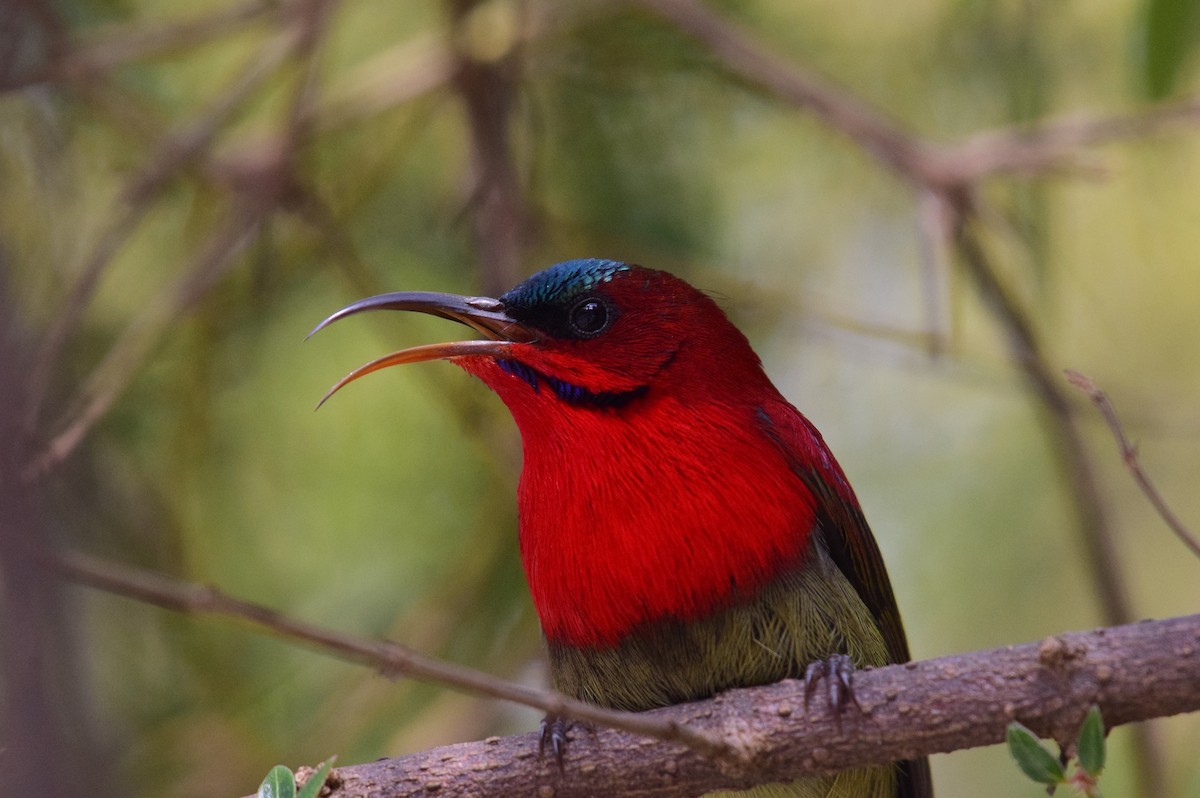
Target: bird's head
(584,334)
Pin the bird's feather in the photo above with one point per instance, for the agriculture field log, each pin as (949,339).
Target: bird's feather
(848,540)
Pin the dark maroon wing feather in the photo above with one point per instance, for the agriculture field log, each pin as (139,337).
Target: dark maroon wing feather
(840,519)
(851,546)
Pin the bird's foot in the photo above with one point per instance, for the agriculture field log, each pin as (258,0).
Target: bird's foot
(837,671)
(554,732)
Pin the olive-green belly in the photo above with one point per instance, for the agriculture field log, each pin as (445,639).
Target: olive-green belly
(801,618)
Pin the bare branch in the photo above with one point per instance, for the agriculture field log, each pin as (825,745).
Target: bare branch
(314,17)
(99,53)
(1133,672)
(1093,520)
(176,152)
(390,659)
(118,368)
(839,109)
(1026,350)
(1129,455)
(742,737)
(1056,144)
(484,78)
(398,75)
(1036,149)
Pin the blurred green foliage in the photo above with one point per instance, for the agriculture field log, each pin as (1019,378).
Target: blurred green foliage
(1167,39)
(391,511)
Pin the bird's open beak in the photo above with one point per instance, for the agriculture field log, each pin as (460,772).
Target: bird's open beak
(483,314)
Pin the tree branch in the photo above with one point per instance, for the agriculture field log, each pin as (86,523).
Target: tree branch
(484,79)
(742,737)
(1094,522)
(1050,145)
(115,372)
(93,56)
(743,55)
(1133,672)
(389,658)
(177,151)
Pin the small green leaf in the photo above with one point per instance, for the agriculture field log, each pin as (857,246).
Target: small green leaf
(1091,742)
(1032,757)
(279,783)
(315,782)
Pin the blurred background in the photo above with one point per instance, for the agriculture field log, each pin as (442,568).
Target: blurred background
(187,188)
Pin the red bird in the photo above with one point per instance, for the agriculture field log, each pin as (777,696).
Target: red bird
(683,528)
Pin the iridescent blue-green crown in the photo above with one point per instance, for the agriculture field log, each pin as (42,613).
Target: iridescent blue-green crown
(562,281)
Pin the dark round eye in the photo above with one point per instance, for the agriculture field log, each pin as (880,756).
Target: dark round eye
(589,317)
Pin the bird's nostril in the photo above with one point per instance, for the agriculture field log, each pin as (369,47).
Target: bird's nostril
(484,303)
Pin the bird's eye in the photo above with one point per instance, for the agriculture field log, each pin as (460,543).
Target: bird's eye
(589,317)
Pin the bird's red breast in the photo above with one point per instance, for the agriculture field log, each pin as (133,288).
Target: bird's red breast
(670,503)
(664,509)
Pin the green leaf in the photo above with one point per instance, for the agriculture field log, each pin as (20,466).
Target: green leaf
(1091,742)
(1169,33)
(1032,757)
(279,783)
(317,780)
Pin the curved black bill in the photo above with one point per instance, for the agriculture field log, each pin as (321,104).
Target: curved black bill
(483,314)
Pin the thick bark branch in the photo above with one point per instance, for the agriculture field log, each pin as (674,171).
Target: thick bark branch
(1133,672)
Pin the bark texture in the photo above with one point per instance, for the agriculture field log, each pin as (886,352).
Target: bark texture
(1133,672)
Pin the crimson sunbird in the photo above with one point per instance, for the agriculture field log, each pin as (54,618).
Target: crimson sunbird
(683,528)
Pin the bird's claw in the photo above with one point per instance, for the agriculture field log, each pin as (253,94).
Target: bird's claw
(554,731)
(837,671)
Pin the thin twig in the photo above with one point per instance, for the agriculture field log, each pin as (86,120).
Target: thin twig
(121,44)
(1031,150)
(396,76)
(1129,455)
(1094,522)
(389,658)
(936,238)
(837,108)
(497,207)
(109,379)
(1055,144)
(1026,349)
(314,15)
(176,153)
